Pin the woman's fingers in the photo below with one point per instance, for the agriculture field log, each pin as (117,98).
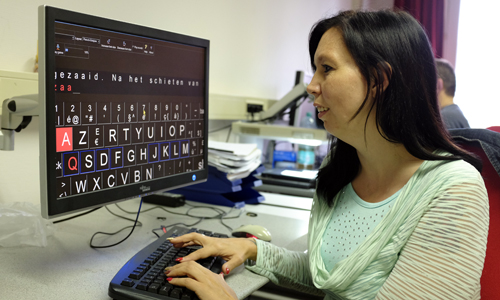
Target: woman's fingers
(189,239)
(205,283)
(231,265)
(199,254)
(189,268)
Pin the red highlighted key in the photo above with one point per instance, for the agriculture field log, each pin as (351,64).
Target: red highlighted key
(64,139)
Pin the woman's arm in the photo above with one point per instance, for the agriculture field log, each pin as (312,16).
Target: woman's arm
(284,267)
(444,257)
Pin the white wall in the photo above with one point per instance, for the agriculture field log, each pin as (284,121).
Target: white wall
(256,47)
(477,66)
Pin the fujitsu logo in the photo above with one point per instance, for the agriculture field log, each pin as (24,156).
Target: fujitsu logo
(145,188)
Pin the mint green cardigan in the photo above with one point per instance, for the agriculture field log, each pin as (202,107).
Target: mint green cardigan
(431,244)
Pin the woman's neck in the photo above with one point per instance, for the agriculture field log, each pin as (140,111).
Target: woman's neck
(385,168)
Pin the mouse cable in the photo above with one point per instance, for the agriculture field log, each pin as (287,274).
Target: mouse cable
(82,214)
(119,242)
(164,228)
(221,214)
(139,223)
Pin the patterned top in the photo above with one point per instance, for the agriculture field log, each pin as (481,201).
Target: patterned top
(353,220)
(430,245)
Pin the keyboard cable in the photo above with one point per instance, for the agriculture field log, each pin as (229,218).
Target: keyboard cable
(107,233)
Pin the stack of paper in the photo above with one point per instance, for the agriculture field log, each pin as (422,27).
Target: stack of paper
(237,160)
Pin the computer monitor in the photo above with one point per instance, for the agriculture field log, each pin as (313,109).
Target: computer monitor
(123,110)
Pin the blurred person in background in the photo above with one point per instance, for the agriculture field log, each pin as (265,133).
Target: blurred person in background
(446,85)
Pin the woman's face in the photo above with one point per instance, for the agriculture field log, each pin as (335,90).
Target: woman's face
(338,87)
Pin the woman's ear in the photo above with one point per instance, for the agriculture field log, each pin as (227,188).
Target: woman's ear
(387,75)
(383,79)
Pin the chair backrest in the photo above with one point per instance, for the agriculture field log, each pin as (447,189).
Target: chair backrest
(490,285)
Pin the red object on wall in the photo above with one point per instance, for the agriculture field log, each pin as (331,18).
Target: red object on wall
(430,13)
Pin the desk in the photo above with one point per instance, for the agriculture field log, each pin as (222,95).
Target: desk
(69,269)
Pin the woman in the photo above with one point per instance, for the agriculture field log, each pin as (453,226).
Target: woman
(398,212)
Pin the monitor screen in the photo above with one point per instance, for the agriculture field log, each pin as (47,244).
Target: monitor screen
(123,110)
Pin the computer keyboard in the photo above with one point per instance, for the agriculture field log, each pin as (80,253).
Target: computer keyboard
(142,277)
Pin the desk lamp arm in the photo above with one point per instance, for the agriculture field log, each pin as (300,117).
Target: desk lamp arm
(16,115)
(299,91)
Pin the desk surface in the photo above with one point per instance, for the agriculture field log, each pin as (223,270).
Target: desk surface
(69,269)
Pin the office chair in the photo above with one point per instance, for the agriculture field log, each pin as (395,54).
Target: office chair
(468,139)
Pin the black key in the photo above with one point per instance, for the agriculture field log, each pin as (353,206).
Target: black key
(165,290)
(162,277)
(128,282)
(150,260)
(142,286)
(176,293)
(187,295)
(135,275)
(154,288)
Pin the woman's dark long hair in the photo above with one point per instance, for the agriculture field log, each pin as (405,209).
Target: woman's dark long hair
(395,45)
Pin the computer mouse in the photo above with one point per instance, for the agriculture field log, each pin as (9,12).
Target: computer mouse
(254,231)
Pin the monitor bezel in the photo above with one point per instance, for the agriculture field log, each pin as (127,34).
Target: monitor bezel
(50,205)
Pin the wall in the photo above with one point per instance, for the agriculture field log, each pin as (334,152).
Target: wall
(256,47)
(477,64)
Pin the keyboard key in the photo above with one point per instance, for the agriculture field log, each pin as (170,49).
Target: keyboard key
(128,282)
(135,275)
(176,293)
(187,295)
(149,260)
(165,290)
(142,286)
(154,288)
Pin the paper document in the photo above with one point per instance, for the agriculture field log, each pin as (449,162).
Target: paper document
(237,160)
(234,148)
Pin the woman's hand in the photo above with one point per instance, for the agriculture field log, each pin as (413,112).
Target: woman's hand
(206,284)
(235,251)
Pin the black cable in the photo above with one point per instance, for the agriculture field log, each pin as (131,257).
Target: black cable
(163,228)
(106,233)
(82,214)
(122,217)
(221,214)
